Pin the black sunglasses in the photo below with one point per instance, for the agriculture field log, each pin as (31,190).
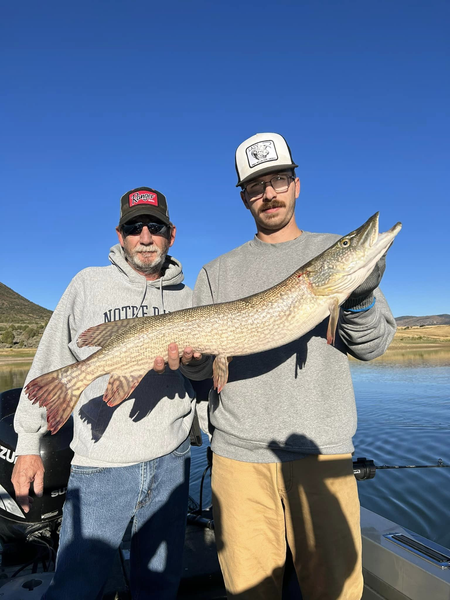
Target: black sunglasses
(136,228)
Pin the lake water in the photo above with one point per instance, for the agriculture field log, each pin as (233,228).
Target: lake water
(403,419)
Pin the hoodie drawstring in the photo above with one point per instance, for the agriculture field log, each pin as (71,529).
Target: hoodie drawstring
(161,283)
(143,298)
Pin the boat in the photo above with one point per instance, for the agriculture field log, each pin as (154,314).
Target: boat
(398,564)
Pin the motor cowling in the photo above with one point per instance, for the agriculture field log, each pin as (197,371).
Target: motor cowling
(56,456)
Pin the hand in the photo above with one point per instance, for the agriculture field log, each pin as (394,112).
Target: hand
(29,469)
(362,296)
(173,361)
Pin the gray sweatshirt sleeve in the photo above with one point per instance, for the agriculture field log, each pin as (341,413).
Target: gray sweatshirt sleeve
(202,295)
(368,334)
(30,421)
(199,370)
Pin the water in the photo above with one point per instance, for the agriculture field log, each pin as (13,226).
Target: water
(13,376)
(403,418)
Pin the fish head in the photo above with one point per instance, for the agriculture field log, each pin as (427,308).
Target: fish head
(345,265)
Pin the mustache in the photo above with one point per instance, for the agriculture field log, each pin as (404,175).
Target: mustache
(273,204)
(151,248)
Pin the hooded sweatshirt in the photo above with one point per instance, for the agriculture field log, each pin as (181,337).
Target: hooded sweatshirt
(157,418)
(295,400)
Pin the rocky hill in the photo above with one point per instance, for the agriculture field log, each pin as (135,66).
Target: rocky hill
(21,322)
(409,321)
(14,308)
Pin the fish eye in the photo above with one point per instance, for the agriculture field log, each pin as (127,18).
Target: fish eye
(345,242)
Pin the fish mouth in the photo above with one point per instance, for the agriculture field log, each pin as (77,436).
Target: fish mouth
(356,255)
(386,239)
(368,236)
(375,244)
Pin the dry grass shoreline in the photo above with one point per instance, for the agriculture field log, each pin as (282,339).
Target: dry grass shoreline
(427,339)
(429,336)
(10,356)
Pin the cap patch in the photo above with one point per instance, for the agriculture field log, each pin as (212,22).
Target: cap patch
(142,197)
(261,152)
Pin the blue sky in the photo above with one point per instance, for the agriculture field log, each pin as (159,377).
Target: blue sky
(100,97)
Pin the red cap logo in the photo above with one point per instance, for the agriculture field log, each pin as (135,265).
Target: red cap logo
(142,197)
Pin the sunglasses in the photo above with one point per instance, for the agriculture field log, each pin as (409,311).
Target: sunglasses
(136,228)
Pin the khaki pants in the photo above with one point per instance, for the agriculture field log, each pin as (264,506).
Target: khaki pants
(312,503)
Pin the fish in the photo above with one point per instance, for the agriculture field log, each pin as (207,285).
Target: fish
(260,322)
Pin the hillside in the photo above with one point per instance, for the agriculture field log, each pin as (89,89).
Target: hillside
(22,322)
(14,308)
(408,321)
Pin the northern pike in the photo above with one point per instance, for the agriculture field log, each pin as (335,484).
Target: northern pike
(260,322)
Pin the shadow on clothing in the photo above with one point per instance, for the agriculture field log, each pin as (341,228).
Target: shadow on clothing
(84,565)
(256,365)
(333,511)
(151,390)
(314,573)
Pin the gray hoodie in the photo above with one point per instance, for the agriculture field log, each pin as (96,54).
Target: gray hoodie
(158,416)
(297,399)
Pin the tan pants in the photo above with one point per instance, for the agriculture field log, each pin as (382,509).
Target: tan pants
(312,503)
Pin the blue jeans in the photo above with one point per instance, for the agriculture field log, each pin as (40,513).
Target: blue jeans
(99,505)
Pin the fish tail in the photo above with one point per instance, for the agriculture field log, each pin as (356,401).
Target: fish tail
(57,391)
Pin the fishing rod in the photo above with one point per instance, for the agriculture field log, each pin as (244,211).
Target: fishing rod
(364,468)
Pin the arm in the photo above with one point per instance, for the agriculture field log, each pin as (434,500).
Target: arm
(203,295)
(30,421)
(200,369)
(192,364)
(366,323)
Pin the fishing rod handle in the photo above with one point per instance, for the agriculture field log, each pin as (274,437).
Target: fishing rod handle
(364,468)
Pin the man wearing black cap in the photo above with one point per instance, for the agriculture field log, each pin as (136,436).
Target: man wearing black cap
(282,426)
(131,462)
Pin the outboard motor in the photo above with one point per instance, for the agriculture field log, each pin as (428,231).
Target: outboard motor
(46,512)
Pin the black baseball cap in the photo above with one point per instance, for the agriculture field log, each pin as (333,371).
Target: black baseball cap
(143,201)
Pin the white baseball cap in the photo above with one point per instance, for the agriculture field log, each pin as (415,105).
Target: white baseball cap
(262,153)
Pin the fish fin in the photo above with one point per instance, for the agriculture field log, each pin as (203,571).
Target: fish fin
(333,320)
(99,335)
(220,371)
(120,387)
(55,392)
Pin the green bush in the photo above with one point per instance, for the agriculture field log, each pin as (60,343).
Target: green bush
(8,337)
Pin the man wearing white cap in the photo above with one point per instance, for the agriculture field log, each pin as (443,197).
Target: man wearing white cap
(282,427)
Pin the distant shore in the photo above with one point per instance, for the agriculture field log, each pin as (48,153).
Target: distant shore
(428,336)
(12,356)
